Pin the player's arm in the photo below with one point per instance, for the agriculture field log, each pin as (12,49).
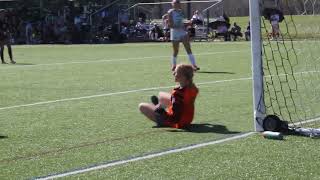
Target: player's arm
(177,107)
(170,19)
(165,16)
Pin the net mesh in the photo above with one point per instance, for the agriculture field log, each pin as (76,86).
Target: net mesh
(291,61)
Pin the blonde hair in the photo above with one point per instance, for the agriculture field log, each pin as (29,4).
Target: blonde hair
(186,70)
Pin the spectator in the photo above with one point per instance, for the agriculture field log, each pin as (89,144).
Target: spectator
(166,29)
(77,22)
(248,33)
(197,18)
(104,17)
(141,27)
(236,31)
(29,33)
(5,40)
(274,20)
(36,33)
(142,17)
(124,18)
(155,32)
(124,34)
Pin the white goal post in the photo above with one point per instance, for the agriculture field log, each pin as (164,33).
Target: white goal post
(257,72)
(285,61)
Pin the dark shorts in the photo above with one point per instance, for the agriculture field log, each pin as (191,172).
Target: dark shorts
(161,120)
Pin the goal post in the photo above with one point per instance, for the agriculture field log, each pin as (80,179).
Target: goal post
(285,50)
(257,73)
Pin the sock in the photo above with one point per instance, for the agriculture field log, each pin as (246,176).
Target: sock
(1,54)
(174,61)
(192,59)
(10,53)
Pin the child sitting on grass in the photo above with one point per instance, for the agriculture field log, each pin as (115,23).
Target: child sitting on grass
(174,110)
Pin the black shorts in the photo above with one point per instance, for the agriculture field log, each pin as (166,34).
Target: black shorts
(160,120)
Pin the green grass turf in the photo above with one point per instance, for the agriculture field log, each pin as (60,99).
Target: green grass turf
(61,136)
(250,158)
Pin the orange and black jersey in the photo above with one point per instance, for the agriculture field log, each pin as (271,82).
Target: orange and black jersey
(181,111)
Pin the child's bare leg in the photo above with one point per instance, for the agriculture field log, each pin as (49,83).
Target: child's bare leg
(186,44)
(187,47)
(164,99)
(10,53)
(175,47)
(148,110)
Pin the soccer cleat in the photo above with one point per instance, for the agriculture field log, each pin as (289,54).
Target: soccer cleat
(3,62)
(13,62)
(154,100)
(195,68)
(173,68)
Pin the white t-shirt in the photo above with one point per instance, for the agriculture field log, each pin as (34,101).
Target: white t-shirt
(197,17)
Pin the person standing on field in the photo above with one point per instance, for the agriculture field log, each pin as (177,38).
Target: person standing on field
(179,34)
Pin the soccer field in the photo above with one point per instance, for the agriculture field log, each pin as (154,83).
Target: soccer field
(67,108)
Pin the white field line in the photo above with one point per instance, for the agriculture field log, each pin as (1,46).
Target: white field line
(310,121)
(118,60)
(305,122)
(114,93)
(140,158)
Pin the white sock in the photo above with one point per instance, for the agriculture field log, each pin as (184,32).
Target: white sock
(192,59)
(174,61)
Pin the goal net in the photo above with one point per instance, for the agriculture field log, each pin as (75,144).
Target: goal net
(289,86)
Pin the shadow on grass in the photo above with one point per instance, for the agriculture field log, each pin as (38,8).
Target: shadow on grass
(205,128)
(3,137)
(214,72)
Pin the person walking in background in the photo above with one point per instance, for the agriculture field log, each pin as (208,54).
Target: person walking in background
(5,40)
